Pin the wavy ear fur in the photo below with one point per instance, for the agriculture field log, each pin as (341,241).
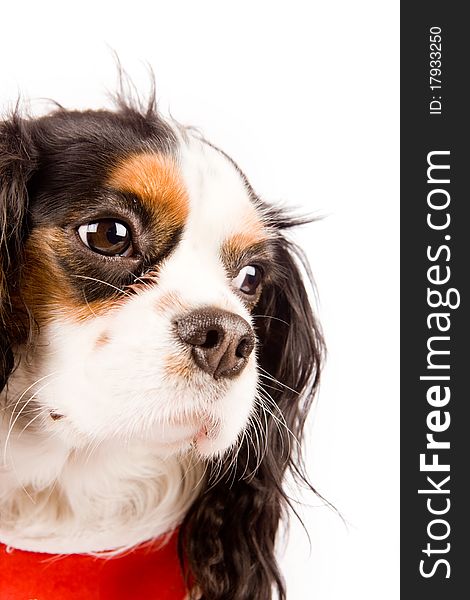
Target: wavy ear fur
(17,162)
(227,541)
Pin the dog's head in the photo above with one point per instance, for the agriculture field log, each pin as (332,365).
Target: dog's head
(149,293)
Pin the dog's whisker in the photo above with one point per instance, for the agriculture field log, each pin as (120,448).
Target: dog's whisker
(22,487)
(42,413)
(267,375)
(230,470)
(14,419)
(23,394)
(252,444)
(263,433)
(280,420)
(147,281)
(270,317)
(88,304)
(245,434)
(104,283)
(271,387)
(217,474)
(93,446)
(51,491)
(192,466)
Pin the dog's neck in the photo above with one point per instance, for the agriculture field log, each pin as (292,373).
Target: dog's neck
(58,498)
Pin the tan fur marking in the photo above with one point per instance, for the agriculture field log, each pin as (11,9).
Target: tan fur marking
(156,180)
(171,302)
(251,231)
(102,340)
(239,243)
(252,234)
(176,365)
(46,290)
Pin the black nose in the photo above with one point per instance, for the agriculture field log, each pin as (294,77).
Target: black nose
(221,341)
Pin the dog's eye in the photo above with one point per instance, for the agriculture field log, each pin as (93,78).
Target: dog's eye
(107,236)
(248,279)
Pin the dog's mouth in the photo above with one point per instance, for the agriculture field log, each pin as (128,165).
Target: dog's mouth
(192,431)
(210,429)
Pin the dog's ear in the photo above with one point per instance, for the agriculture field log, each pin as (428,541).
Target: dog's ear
(291,341)
(17,163)
(228,538)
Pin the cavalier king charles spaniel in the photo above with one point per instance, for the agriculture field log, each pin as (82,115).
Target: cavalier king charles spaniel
(158,349)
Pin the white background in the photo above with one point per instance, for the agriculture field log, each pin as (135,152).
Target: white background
(304,96)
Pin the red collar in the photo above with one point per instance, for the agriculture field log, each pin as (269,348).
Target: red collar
(148,571)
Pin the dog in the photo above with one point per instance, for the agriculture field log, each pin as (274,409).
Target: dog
(158,348)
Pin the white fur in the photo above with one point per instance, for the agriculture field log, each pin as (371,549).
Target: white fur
(127,459)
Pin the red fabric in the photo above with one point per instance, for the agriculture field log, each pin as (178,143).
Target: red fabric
(147,572)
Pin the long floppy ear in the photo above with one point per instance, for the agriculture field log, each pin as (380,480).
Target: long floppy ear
(227,541)
(17,163)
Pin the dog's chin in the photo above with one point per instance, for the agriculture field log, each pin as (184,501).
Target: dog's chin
(204,443)
(204,435)
(207,436)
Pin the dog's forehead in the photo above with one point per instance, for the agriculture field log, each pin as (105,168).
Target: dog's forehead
(197,187)
(220,202)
